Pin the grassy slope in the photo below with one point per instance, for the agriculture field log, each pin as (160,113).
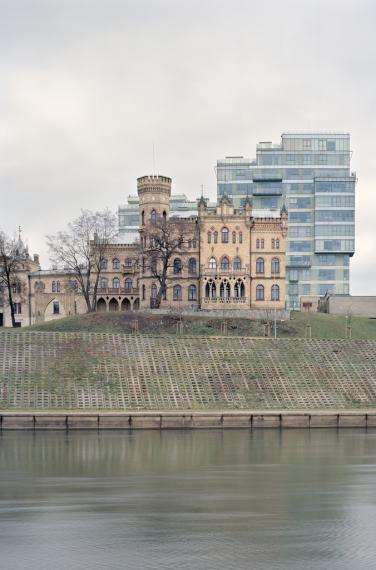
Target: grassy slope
(323,326)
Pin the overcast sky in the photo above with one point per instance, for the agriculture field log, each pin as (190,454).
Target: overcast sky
(87,87)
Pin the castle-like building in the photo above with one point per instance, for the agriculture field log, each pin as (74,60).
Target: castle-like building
(220,258)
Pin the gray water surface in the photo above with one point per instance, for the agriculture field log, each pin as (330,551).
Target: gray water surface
(262,500)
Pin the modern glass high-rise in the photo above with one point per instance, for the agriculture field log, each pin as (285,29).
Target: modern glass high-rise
(309,173)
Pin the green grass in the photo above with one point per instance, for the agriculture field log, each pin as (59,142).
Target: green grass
(322,325)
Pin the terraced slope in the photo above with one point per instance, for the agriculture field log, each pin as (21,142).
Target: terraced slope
(115,372)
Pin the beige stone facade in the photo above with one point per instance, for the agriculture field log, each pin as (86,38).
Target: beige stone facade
(227,259)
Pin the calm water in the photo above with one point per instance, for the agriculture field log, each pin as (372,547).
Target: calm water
(188,500)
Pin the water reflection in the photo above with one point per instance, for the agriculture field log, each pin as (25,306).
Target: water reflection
(266,499)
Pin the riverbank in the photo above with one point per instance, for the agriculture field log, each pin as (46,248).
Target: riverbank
(51,371)
(198,420)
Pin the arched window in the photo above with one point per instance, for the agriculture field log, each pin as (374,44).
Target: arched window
(240,237)
(224,235)
(209,237)
(225,263)
(239,290)
(192,293)
(277,243)
(233,237)
(237,264)
(275,292)
(189,243)
(257,244)
(153,217)
(143,292)
(164,216)
(192,265)
(210,290)
(128,284)
(128,263)
(275,265)
(53,287)
(177,293)
(153,291)
(215,237)
(103,283)
(116,283)
(262,244)
(212,263)
(143,218)
(273,243)
(104,263)
(57,287)
(259,293)
(194,243)
(115,264)
(154,264)
(260,265)
(224,291)
(177,265)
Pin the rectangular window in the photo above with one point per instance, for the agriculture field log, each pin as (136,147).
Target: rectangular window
(307,144)
(300,231)
(327,274)
(17,308)
(334,215)
(56,308)
(300,203)
(300,246)
(344,186)
(330,230)
(335,201)
(326,288)
(327,259)
(305,289)
(322,144)
(300,217)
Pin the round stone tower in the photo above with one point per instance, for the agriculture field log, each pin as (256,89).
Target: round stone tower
(154,193)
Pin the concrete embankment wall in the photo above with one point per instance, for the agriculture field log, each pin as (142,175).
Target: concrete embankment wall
(215,420)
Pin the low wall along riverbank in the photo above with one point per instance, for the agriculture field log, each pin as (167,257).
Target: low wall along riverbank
(345,419)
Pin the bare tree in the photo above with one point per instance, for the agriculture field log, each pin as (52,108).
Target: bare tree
(10,257)
(159,245)
(81,249)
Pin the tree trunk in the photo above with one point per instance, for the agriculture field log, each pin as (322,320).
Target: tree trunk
(11,305)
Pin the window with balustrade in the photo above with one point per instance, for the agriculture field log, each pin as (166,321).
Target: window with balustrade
(237,264)
(225,263)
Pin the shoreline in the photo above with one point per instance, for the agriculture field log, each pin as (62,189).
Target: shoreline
(200,419)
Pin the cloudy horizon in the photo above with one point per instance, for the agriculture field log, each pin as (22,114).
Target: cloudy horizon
(88,87)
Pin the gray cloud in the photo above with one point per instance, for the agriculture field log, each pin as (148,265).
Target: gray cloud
(87,87)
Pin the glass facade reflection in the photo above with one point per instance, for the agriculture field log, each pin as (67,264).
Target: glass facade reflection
(309,173)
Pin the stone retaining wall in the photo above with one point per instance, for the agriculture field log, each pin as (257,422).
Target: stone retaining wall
(215,420)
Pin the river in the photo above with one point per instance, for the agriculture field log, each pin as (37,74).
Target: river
(197,500)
